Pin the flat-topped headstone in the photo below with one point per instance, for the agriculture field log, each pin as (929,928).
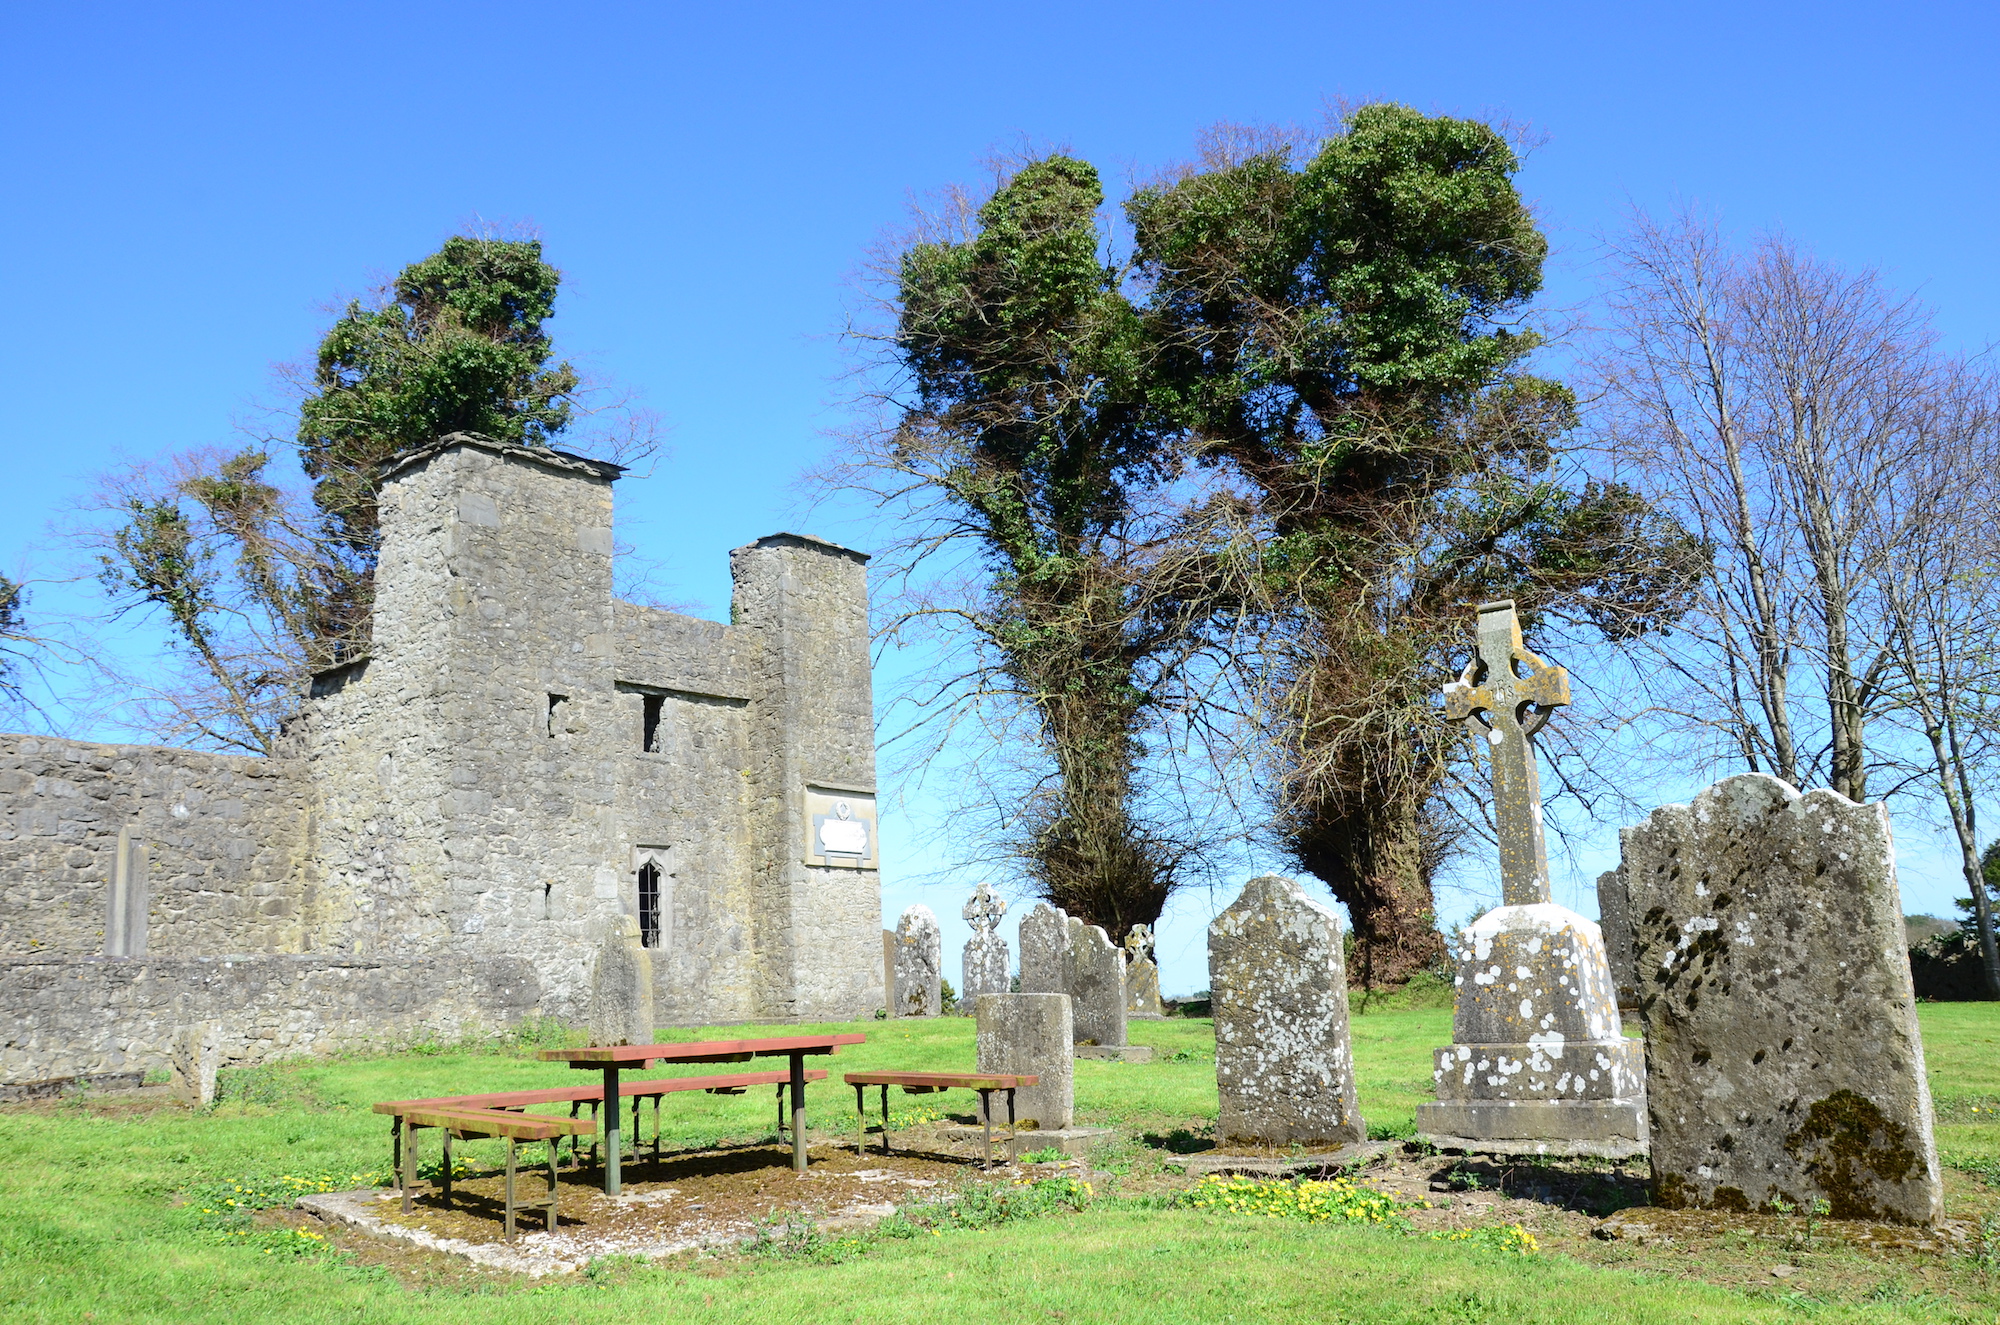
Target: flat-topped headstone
(919,964)
(1044,951)
(621,999)
(1284,1067)
(1782,1045)
(194,1057)
(1539,1063)
(1096,985)
(986,968)
(1142,976)
(1031,1034)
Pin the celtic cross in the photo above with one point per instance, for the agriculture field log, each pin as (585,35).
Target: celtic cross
(1495,699)
(983,910)
(1138,942)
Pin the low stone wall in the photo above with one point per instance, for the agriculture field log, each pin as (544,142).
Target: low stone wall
(93,1016)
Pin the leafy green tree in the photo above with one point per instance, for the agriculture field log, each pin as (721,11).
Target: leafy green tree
(1342,334)
(260,586)
(13,632)
(1025,432)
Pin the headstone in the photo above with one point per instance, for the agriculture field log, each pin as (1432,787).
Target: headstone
(1614,921)
(194,1056)
(1284,1067)
(1539,1063)
(986,968)
(621,1002)
(1096,986)
(1044,951)
(1031,1033)
(1782,1046)
(919,964)
(1142,975)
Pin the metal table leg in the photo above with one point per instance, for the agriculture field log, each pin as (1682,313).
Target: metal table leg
(798,1113)
(986,1116)
(611,1175)
(860,1120)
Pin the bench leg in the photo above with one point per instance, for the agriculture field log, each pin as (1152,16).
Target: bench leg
(885,1120)
(779,1096)
(860,1119)
(798,1113)
(396,1148)
(552,1186)
(409,1161)
(656,1129)
(986,1114)
(510,1188)
(638,1133)
(447,1166)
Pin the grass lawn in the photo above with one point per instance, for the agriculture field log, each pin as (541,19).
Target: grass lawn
(103,1219)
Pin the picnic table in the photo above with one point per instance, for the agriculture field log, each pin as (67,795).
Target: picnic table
(612,1059)
(926,1083)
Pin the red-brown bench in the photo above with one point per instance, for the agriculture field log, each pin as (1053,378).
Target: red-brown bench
(927,1083)
(467,1124)
(578,1096)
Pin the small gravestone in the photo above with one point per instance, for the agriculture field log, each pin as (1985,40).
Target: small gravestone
(1097,988)
(1044,951)
(919,964)
(1539,1062)
(194,1056)
(986,965)
(621,997)
(1284,1067)
(1614,922)
(1142,976)
(1030,1034)
(1784,1061)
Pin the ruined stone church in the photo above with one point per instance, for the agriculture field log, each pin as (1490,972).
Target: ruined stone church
(459,818)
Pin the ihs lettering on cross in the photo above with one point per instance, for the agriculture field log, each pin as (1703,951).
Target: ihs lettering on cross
(1494,700)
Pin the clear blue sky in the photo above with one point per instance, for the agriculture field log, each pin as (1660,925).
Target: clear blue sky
(187,187)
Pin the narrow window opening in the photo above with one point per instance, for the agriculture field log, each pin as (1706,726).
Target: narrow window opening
(548,901)
(557,705)
(649,905)
(649,737)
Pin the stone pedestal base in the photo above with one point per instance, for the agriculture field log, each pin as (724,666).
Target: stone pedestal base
(1608,1129)
(1069,1140)
(1116,1053)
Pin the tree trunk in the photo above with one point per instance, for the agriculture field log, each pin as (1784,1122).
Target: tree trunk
(1370,852)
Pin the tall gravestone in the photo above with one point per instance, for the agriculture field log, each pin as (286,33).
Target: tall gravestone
(986,969)
(1142,975)
(1030,1034)
(1096,986)
(919,964)
(1044,951)
(621,1003)
(1539,1063)
(1774,986)
(1284,1066)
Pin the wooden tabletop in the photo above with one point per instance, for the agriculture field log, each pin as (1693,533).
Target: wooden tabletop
(701,1051)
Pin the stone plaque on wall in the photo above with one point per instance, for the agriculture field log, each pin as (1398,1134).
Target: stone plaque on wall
(840,828)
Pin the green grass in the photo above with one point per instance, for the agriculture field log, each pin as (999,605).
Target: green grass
(92,1231)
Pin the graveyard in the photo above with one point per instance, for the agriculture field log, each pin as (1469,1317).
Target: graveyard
(108,1197)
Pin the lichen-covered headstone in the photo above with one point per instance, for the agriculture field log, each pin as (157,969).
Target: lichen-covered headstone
(1030,1034)
(621,998)
(1142,975)
(1784,1060)
(1044,951)
(1539,1063)
(194,1056)
(1284,1067)
(919,964)
(1096,985)
(986,968)
(1614,922)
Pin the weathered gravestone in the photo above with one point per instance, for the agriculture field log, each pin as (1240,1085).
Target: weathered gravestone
(1284,1067)
(1044,951)
(194,1056)
(621,1000)
(1031,1034)
(1539,1063)
(919,964)
(1614,922)
(1784,1060)
(1142,976)
(986,966)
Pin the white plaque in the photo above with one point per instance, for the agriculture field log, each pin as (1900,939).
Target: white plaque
(840,828)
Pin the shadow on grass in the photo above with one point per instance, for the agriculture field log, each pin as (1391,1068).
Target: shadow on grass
(1180,1141)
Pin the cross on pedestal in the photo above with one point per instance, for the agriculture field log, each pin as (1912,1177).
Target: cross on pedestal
(1497,702)
(984,910)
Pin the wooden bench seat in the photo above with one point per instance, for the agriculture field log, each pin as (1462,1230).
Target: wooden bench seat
(929,1083)
(469,1123)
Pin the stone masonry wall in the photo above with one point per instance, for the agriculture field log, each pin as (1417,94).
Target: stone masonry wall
(225,840)
(68,1017)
